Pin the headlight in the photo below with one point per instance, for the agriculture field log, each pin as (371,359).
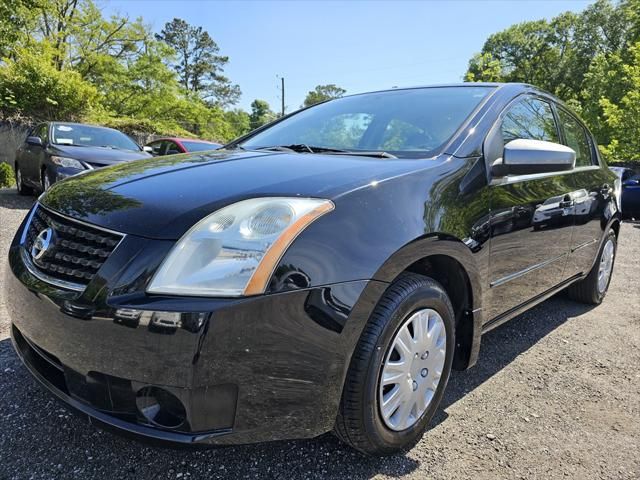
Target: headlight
(233,251)
(67,162)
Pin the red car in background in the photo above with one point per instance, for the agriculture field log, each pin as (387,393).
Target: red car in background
(171,146)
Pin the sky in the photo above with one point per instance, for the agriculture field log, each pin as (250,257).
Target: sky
(357,45)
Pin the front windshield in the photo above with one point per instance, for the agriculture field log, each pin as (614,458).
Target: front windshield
(406,123)
(89,136)
(199,146)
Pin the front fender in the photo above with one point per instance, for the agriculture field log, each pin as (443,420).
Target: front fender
(436,244)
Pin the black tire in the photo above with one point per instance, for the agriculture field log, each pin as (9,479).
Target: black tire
(44,178)
(586,290)
(20,186)
(359,422)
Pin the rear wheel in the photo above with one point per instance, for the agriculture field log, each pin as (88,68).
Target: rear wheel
(592,289)
(20,186)
(400,368)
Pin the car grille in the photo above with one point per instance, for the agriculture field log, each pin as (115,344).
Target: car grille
(77,251)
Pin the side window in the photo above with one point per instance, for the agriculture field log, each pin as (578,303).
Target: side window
(172,148)
(577,138)
(156,148)
(530,119)
(39,131)
(43,133)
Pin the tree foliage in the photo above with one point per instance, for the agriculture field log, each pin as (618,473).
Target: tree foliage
(32,86)
(588,59)
(64,60)
(261,114)
(6,175)
(322,93)
(623,118)
(198,63)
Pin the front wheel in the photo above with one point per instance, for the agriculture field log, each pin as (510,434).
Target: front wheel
(400,368)
(593,288)
(20,186)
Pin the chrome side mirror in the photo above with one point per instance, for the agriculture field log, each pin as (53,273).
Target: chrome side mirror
(524,156)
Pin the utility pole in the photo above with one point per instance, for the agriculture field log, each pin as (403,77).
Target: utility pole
(282,81)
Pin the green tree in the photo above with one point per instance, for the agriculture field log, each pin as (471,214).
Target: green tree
(322,93)
(239,121)
(32,86)
(16,18)
(554,55)
(587,59)
(65,60)
(623,117)
(484,68)
(199,65)
(261,113)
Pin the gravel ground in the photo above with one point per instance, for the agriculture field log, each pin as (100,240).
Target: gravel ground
(556,394)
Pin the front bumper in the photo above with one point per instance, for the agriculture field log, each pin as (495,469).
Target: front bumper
(247,370)
(53,379)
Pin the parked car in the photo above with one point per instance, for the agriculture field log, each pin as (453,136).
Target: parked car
(172,146)
(53,151)
(324,272)
(630,191)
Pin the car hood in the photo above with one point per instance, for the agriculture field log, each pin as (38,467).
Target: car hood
(98,156)
(163,197)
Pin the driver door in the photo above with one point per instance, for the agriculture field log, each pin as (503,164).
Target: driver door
(531,217)
(34,155)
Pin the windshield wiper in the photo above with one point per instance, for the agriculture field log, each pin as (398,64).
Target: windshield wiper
(296,147)
(356,153)
(304,148)
(71,144)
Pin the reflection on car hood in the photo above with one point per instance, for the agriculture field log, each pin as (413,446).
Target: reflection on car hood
(98,156)
(162,197)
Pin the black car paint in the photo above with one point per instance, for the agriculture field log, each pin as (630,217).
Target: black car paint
(33,160)
(273,366)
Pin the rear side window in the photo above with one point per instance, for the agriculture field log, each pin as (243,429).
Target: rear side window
(577,138)
(156,148)
(43,132)
(530,119)
(172,149)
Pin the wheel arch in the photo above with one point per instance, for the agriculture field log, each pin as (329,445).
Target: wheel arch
(615,226)
(451,263)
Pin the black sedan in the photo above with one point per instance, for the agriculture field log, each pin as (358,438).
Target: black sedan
(54,150)
(324,273)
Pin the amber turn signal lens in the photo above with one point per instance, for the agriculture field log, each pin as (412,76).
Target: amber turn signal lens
(258,282)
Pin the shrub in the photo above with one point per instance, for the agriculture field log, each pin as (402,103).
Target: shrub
(31,86)
(6,175)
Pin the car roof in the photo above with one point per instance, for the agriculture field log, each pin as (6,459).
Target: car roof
(83,125)
(497,85)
